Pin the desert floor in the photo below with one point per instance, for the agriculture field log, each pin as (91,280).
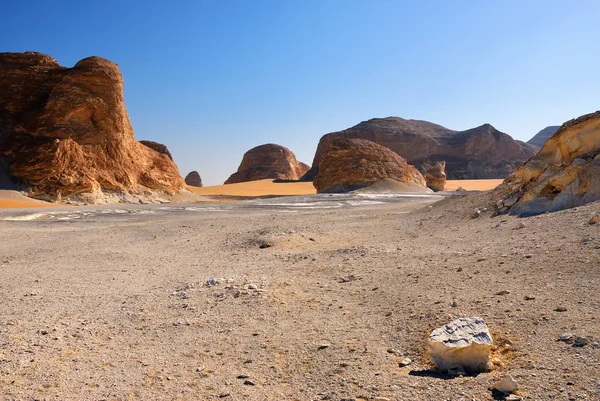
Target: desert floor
(170,302)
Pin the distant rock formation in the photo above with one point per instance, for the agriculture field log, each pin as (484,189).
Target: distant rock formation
(193,179)
(565,173)
(351,164)
(65,131)
(481,152)
(268,161)
(541,137)
(159,147)
(435,175)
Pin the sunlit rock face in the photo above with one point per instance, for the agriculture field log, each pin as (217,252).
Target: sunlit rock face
(565,173)
(65,131)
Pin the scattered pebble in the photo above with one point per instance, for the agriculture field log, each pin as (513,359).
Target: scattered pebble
(529,298)
(595,219)
(507,385)
(454,304)
(476,214)
(521,225)
(249,383)
(580,341)
(566,337)
(346,279)
(323,346)
(264,245)
(200,368)
(405,362)
(513,397)
(503,292)
(560,309)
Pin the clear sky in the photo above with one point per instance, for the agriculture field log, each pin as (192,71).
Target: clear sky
(212,79)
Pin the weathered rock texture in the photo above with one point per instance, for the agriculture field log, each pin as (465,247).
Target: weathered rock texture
(193,179)
(464,343)
(351,164)
(564,174)
(66,130)
(541,137)
(159,147)
(435,175)
(268,161)
(481,152)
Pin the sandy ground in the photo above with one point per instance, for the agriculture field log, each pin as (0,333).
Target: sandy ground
(178,302)
(220,193)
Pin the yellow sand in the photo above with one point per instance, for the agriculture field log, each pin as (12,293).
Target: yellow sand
(257,188)
(268,187)
(472,185)
(12,204)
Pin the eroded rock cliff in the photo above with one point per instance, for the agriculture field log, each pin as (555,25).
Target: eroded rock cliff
(564,173)
(65,131)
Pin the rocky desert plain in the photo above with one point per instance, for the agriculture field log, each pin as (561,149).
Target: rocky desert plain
(408,262)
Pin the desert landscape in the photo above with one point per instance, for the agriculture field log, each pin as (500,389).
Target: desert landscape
(407,261)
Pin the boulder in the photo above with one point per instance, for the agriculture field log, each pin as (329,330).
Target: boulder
(268,161)
(435,175)
(481,152)
(193,179)
(463,344)
(159,147)
(351,164)
(565,173)
(66,130)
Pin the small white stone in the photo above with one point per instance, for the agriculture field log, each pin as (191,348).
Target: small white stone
(507,385)
(405,362)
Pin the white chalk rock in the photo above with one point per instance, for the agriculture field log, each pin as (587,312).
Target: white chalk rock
(464,343)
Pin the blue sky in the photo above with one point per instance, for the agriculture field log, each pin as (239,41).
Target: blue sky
(212,79)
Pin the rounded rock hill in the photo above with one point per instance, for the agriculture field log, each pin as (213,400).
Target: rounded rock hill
(268,161)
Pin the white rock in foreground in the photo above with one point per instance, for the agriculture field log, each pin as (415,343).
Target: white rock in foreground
(465,342)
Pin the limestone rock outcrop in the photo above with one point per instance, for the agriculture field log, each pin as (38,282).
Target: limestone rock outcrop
(351,164)
(159,147)
(193,179)
(464,344)
(66,130)
(565,173)
(435,175)
(482,152)
(541,137)
(268,161)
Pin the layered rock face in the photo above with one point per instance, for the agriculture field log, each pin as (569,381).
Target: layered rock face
(66,130)
(159,147)
(565,173)
(351,164)
(435,175)
(193,179)
(541,137)
(268,161)
(481,152)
